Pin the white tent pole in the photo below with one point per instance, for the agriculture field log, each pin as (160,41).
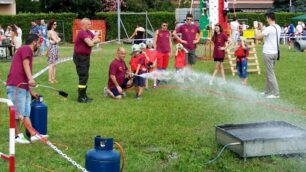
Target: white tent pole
(118,20)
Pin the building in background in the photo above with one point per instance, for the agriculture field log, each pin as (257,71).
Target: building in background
(250,5)
(8,7)
(245,5)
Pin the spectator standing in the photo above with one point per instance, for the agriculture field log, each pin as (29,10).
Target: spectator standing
(270,54)
(85,40)
(19,36)
(53,51)
(44,36)
(138,34)
(190,37)
(162,40)
(219,39)
(235,29)
(241,53)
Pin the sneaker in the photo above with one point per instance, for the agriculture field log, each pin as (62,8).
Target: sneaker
(36,137)
(21,139)
(84,99)
(105,93)
(272,97)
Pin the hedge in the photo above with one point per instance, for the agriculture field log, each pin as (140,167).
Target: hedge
(24,20)
(130,21)
(156,18)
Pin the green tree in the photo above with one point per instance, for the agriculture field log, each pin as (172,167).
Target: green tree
(26,6)
(84,8)
(283,5)
(149,5)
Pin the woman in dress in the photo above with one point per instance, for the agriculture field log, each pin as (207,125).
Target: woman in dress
(53,52)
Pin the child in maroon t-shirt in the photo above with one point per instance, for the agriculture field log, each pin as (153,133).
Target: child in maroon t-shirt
(219,39)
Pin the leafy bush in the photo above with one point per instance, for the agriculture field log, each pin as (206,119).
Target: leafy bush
(130,21)
(24,20)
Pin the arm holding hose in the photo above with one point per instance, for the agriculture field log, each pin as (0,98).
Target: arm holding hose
(31,82)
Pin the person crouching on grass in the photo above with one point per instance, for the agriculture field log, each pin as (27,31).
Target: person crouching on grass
(138,67)
(152,64)
(118,80)
(241,53)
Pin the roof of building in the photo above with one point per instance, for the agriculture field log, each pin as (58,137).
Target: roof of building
(251,4)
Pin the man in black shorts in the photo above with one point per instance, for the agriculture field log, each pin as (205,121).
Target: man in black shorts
(117,81)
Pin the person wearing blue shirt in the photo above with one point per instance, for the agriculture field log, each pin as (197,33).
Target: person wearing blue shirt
(43,31)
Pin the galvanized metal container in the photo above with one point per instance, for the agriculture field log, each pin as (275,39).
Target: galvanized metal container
(262,139)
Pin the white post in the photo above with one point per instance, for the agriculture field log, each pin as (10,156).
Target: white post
(118,20)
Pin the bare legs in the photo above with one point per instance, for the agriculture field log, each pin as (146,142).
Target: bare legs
(52,73)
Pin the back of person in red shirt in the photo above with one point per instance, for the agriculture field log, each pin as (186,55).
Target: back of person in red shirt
(219,39)
(85,40)
(117,80)
(180,57)
(152,65)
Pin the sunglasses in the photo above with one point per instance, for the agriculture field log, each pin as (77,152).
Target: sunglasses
(54,24)
(165,25)
(189,19)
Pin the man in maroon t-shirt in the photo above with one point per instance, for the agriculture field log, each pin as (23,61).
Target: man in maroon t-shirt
(162,41)
(117,80)
(81,57)
(190,37)
(18,81)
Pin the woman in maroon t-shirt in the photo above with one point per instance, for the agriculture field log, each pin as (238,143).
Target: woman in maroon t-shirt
(219,39)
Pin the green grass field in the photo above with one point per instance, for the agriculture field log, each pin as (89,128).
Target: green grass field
(170,129)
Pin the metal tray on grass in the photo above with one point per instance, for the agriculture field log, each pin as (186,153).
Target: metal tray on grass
(262,138)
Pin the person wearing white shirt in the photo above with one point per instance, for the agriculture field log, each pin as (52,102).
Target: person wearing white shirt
(235,29)
(270,54)
(299,29)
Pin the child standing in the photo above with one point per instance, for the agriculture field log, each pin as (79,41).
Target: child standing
(180,57)
(241,53)
(138,67)
(152,63)
(219,39)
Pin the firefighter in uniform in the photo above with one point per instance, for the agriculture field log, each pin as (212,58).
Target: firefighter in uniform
(85,40)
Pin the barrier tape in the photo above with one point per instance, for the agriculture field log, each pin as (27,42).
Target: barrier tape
(47,67)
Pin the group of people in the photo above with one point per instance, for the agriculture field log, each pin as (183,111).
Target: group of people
(144,59)
(11,37)
(49,40)
(294,32)
(20,78)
